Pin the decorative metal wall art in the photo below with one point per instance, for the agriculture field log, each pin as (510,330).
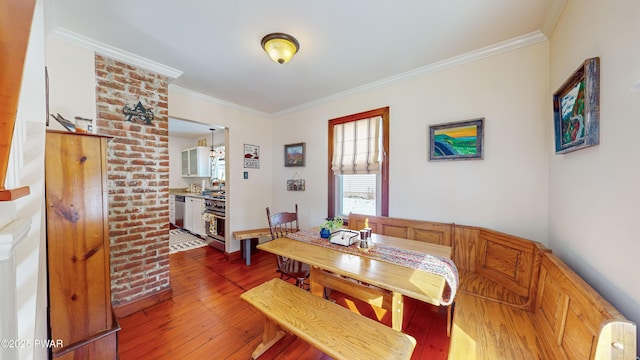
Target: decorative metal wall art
(138,114)
(296,183)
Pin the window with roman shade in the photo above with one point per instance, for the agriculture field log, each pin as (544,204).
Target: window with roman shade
(356,147)
(358,164)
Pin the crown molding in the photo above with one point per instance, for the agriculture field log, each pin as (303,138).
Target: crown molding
(171,73)
(501,47)
(216,100)
(115,53)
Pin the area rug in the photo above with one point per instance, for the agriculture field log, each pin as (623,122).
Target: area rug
(181,240)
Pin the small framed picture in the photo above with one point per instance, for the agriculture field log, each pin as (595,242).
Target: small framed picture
(251,156)
(294,154)
(576,109)
(462,140)
(295,185)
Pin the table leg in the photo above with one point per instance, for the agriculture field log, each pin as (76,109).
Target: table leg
(315,287)
(247,251)
(397,310)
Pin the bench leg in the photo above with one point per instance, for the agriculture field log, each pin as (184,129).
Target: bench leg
(450,318)
(272,334)
(247,251)
(397,310)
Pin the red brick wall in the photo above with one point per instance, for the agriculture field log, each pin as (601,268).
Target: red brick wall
(138,178)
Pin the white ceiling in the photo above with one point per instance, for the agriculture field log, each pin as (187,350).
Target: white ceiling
(192,130)
(344,44)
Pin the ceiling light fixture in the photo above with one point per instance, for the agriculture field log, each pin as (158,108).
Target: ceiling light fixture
(280,47)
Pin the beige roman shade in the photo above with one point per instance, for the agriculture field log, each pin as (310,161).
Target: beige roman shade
(356,147)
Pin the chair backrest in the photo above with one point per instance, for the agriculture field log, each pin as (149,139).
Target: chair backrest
(283,223)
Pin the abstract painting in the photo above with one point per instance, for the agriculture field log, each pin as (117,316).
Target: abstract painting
(460,140)
(576,109)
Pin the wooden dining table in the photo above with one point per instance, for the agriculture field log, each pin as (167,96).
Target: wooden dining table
(377,282)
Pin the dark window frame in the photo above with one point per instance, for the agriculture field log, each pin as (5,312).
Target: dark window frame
(384,169)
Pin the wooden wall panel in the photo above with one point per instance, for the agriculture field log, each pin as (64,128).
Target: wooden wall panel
(551,305)
(506,260)
(465,247)
(578,340)
(432,232)
(570,314)
(430,236)
(394,230)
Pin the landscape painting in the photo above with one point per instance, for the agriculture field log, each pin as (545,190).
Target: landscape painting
(294,154)
(456,141)
(576,109)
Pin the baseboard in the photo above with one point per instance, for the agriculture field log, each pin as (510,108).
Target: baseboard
(143,302)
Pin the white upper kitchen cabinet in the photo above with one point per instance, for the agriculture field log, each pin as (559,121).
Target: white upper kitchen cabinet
(196,162)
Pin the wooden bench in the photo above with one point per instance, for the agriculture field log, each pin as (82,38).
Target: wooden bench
(331,328)
(516,300)
(247,236)
(569,321)
(497,266)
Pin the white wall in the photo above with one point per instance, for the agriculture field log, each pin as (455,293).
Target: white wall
(246,199)
(72,81)
(594,194)
(506,191)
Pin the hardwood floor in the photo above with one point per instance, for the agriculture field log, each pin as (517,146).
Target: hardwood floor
(207,319)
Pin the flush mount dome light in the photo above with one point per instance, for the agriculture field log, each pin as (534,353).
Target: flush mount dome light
(280,47)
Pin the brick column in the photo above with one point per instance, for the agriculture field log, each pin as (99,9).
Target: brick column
(138,179)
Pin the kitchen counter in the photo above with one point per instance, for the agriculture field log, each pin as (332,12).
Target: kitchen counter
(209,193)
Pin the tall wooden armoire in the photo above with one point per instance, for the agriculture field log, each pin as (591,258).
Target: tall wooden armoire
(80,313)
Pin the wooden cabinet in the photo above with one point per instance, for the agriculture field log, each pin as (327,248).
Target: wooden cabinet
(196,162)
(80,312)
(193,221)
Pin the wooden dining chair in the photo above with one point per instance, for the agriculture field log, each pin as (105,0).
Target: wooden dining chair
(281,224)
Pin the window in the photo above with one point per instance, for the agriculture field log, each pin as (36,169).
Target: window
(358,171)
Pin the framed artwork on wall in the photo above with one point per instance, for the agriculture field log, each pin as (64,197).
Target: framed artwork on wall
(251,156)
(294,154)
(462,140)
(295,185)
(576,109)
